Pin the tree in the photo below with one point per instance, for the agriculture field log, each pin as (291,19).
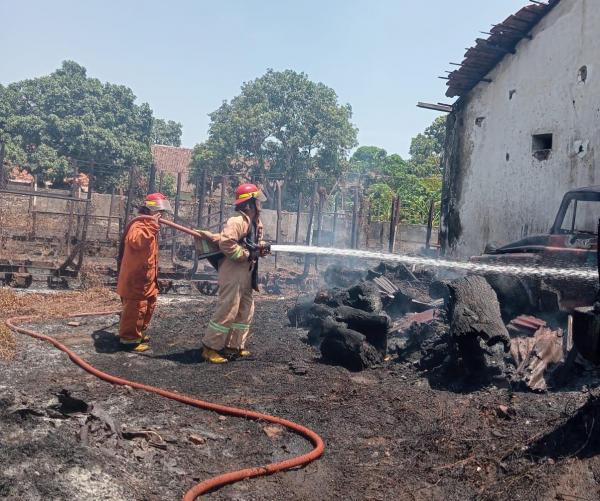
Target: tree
(281,125)
(416,181)
(426,148)
(166,132)
(66,115)
(368,160)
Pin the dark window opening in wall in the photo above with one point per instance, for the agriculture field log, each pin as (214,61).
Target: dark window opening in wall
(541,145)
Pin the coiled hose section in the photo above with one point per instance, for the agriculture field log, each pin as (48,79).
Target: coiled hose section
(214,482)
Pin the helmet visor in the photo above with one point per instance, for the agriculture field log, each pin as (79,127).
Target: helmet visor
(159,205)
(244,197)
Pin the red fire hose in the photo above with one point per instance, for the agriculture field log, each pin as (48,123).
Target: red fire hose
(211,483)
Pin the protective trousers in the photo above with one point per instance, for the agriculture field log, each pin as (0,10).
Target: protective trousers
(135,319)
(230,325)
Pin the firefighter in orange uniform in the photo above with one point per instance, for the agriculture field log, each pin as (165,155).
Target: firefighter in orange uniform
(241,245)
(138,274)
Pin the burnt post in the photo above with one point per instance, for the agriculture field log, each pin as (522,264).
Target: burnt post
(355,208)
(152,179)
(309,231)
(130,189)
(3,177)
(32,208)
(335,219)
(222,203)
(278,227)
(298,216)
(86,218)
(322,197)
(394,214)
(176,216)
(161,178)
(429,224)
(201,197)
(110,212)
(361,219)
(72,204)
(367,227)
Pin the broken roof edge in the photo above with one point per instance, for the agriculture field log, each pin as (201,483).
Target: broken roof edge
(486,54)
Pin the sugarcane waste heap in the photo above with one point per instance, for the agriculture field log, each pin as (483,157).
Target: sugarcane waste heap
(452,330)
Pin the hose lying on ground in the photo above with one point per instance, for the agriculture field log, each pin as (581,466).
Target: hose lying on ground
(214,482)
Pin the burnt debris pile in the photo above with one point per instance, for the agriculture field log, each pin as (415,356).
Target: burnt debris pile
(351,325)
(452,330)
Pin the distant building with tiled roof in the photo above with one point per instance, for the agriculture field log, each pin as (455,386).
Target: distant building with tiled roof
(173,160)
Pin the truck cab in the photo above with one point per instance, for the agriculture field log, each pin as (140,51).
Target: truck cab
(571,243)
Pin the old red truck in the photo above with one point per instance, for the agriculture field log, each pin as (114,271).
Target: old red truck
(571,243)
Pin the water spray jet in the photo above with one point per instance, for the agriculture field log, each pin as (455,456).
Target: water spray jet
(516,270)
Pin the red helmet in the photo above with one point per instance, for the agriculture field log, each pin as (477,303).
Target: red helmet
(157,202)
(246,191)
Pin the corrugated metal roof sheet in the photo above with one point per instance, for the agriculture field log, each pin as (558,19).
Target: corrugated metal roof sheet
(503,38)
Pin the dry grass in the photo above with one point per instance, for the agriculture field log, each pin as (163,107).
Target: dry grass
(92,277)
(48,305)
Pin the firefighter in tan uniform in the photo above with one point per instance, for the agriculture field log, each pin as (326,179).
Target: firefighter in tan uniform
(241,245)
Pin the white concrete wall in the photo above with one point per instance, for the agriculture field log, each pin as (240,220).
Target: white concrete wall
(506,192)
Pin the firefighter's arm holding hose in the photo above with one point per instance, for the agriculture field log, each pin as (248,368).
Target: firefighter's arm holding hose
(140,235)
(236,246)
(233,232)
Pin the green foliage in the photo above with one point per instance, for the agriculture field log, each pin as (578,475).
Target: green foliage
(205,157)
(281,125)
(426,149)
(168,186)
(368,162)
(416,181)
(380,197)
(47,120)
(167,132)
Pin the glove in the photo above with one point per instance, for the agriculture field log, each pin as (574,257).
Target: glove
(264,249)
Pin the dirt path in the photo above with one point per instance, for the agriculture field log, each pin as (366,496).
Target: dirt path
(388,434)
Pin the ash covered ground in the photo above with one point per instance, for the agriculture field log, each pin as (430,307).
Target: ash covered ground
(391,431)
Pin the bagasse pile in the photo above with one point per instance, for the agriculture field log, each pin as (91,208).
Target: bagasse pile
(48,305)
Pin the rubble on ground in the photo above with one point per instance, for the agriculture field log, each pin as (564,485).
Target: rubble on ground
(453,330)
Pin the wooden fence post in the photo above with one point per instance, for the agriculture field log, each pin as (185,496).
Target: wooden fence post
(3,176)
(201,197)
(355,207)
(130,189)
(176,216)
(393,223)
(298,216)
(222,204)
(110,212)
(152,179)
(309,231)
(278,227)
(335,218)
(429,224)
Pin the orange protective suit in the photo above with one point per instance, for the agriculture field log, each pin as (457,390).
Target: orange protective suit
(138,279)
(230,325)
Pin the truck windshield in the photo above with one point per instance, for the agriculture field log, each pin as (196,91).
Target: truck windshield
(581,217)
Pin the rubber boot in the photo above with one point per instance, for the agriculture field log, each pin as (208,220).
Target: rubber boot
(212,356)
(232,353)
(136,347)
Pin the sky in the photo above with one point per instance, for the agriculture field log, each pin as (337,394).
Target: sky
(185,58)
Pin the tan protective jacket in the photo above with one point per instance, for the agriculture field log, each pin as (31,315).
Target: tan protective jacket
(235,265)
